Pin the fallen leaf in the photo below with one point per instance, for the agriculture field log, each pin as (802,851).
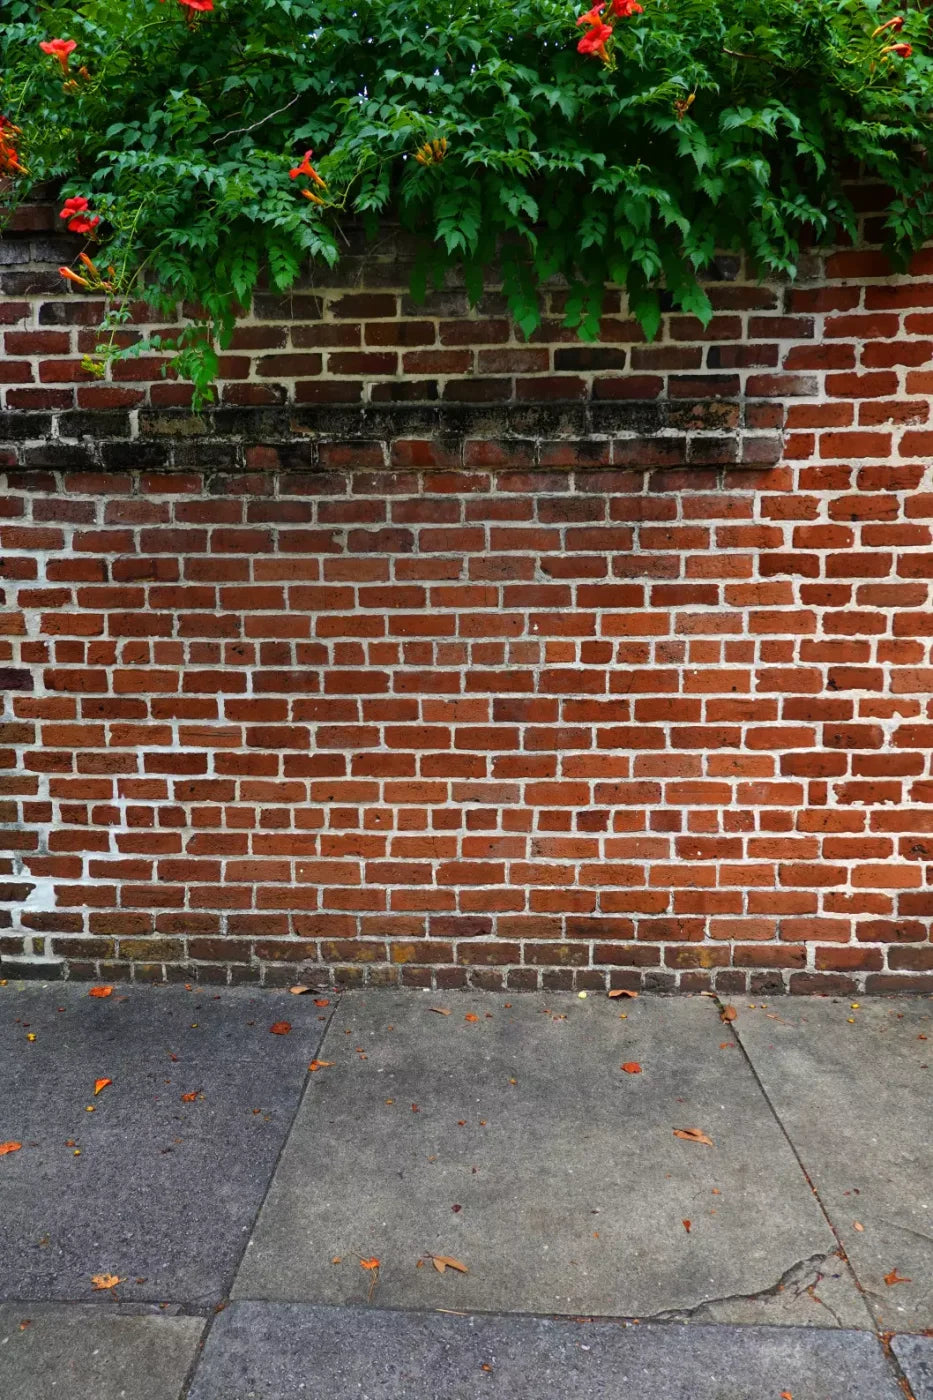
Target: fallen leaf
(632,1067)
(728,1013)
(693,1135)
(786,1395)
(686,1225)
(280,1028)
(470,1017)
(894,1277)
(30,1035)
(6,1147)
(315,1065)
(336,1259)
(299,989)
(444,1011)
(101,1084)
(26,1322)
(101,1281)
(456,1209)
(622,992)
(322,1001)
(190,1098)
(444,1261)
(857,1225)
(369,1263)
(727,1045)
(100,992)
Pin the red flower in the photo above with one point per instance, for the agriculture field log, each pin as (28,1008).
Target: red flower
(902,50)
(592,16)
(897,24)
(625,8)
(75,212)
(197,4)
(595,41)
(61,48)
(306,168)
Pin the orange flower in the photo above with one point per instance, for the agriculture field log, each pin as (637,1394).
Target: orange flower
(306,168)
(9,156)
(60,48)
(70,276)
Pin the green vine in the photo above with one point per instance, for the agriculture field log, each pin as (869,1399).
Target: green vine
(523,141)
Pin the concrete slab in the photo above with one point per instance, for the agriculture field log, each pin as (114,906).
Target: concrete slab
(63,1352)
(508,1136)
(164,1191)
(259,1351)
(915,1355)
(854,1088)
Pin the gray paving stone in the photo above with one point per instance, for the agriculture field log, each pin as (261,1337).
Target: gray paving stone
(261,1351)
(916,1356)
(84,1352)
(854,1088)
(163,1191)
(509,1137)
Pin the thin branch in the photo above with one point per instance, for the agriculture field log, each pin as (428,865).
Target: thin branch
(752,57)
(242,130)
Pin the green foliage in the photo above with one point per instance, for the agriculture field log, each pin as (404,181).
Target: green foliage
(713,124)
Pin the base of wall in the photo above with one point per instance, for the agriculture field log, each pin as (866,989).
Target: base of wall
(725,981)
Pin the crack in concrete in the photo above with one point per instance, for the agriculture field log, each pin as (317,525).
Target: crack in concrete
(800,1278)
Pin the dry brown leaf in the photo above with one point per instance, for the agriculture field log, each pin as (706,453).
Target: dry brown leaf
(786,1395)
(100,992)
(6,1147)
(299,989)
(894,1277)
(693,1135)
(101,1084)
(441,1010)
(686,1225)
(857,1225)
(444,1261)
(189,1098)
(322,1001)
(622,992)
(315,1065)
(470,1017)
(280,1028)
(101,1281)
(728,1013)
(369,1263)
(632,1067)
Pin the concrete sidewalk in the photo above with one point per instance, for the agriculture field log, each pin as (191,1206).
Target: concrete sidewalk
(239,1199)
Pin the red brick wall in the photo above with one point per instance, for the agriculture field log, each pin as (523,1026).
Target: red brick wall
(436,656)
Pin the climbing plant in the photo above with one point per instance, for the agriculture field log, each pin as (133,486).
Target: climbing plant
(202,145)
